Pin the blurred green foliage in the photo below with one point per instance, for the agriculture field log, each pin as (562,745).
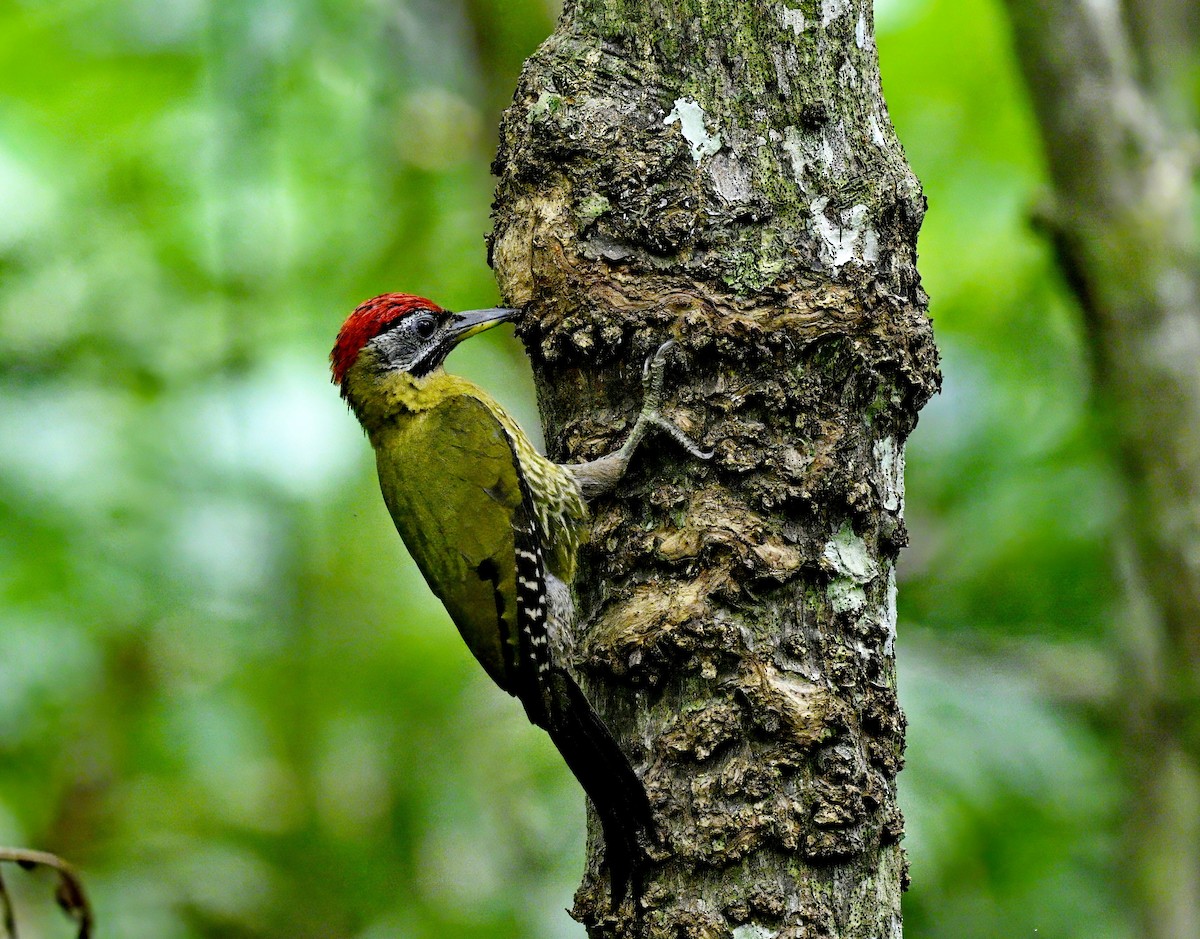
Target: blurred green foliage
(224,690)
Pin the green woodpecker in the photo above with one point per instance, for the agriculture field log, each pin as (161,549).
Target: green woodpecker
(494,526)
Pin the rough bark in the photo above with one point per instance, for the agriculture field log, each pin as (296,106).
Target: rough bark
(724,172)
(1122,223)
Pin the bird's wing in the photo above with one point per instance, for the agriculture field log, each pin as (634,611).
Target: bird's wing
(453,484)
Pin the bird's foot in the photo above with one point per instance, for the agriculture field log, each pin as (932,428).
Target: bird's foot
(600,476)
(653,373)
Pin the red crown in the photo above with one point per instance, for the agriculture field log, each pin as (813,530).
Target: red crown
(368,320)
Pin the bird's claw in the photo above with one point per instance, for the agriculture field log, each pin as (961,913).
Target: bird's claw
(659,359)
(653,372)
(684,440)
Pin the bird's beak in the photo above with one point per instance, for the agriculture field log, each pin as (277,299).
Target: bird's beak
(465,325)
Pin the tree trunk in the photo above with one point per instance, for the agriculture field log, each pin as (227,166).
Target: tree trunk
(724,172)
(1122,164)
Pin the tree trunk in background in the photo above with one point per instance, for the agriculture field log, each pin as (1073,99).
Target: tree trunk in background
(724,172)
(1107,92)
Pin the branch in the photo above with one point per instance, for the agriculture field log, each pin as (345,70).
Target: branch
(68,892)
(1123,228)
(1122,167)
(1165,35)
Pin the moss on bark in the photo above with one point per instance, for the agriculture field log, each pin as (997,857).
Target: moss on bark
(725,173)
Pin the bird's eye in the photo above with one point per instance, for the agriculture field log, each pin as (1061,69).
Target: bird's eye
(425,326)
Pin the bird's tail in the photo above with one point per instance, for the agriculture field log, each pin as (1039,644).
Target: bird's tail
(616,792)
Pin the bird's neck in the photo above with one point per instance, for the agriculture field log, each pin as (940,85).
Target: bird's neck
(381,397)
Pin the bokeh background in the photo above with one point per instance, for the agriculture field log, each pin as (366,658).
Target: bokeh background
(225,692)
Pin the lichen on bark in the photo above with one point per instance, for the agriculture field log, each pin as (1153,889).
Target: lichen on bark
(725,173)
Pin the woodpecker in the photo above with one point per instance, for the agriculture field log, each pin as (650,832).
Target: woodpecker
(494,527)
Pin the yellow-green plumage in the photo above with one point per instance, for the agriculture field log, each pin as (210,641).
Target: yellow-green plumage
(495,526)
(454,469)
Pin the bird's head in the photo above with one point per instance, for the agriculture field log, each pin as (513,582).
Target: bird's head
(403,333)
